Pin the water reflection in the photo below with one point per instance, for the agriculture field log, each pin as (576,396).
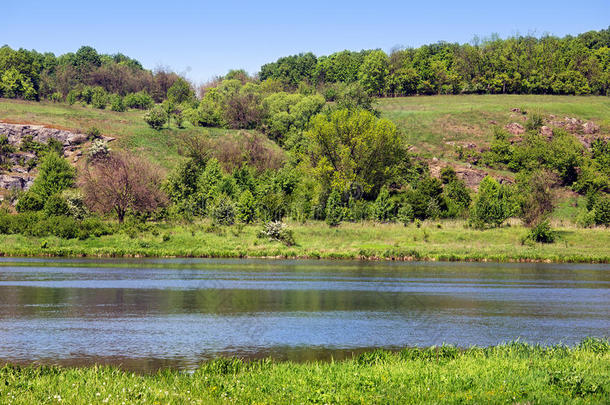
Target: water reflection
(145,314)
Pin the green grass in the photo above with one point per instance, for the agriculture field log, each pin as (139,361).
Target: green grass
(129,128)
(454,240)
(429,122)
(511,373)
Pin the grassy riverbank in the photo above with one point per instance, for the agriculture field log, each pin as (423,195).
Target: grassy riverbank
(513,373)
(444,240)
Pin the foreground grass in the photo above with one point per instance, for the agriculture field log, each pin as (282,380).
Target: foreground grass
(512,373)
(446,240)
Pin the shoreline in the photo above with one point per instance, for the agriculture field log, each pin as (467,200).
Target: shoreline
(513,372)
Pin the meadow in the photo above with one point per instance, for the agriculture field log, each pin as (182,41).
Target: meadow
(433,240)
(510,373)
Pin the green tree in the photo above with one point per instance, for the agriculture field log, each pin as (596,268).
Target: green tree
(246,207)
(374,72)
(354,149)
(492,205)
(55,175)
(334,211)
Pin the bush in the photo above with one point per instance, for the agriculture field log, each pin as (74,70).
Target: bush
(29,201)
(94,132)
(55,205)
(223,211)
(334,211)
(534,123)
(406,214)
(140,100)
(99,98)
(54,176)
(246,207)
(56,97)
(72,97)
(116,103)
(492,206)
(98,149)
(542,233)
(601,210)
(277,230)
(383,209)
(156,117)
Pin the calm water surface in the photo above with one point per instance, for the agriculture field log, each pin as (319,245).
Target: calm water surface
(145,314)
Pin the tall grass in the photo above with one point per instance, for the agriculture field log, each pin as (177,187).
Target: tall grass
(510,373)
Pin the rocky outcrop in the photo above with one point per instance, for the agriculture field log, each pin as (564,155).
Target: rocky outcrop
(17,174)
(16,133)
(15,182)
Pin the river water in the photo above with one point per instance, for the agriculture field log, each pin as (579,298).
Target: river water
(145,314)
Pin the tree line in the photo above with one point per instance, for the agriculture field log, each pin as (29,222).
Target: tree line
(31,75)
(519,65)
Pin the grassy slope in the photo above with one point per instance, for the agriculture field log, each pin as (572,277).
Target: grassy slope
(429,122)
(128,128)
(454,241)
(514,373)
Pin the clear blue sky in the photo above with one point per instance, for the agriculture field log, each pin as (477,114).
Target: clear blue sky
(206,38)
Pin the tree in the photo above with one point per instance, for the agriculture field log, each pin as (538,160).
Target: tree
(349,149)
(120,183)
(374,72)
(180,92)
(538,197)
(492,206)
(334,212)
(55,175)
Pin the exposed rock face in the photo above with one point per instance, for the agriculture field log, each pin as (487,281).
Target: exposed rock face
(39,133)
(19,176)
(9,182)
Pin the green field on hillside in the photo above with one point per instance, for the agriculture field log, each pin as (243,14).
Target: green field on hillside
(427,122)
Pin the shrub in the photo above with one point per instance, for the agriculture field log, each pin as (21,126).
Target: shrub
(72,97)
(156,117)
(76,204)
(602,211)
(406,214)
(99,98)
(277,230)
(54,176)
(491,206)
(542,233)
(534,123)
(116,103)
(383,209)
(246,207)
(94,132)
(98,149)
(223,211)
(334,211)
(140,100)
(55,205)
(56,97)
(29,201)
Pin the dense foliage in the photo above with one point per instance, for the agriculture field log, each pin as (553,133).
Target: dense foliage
(84,75)
(520,64)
